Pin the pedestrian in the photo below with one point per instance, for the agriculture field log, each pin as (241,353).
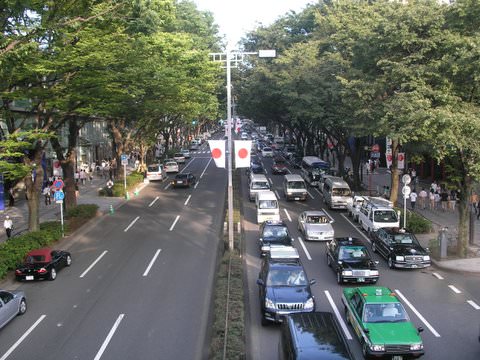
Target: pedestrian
(431,197)
(413,198)
(83,176)
(414,176)
(444,199)
(452,200)
(8,225)
(90,176)
(422,196)
(77,176)
(478,207)
(11,197)
(48,195)
(474,201)
(109,187)
(77,191)
(433,187)
(437,200)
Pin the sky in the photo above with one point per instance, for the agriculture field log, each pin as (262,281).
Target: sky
(237,17)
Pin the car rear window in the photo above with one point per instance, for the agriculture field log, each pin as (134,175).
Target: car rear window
(153,168)
(178,155)
(35,259)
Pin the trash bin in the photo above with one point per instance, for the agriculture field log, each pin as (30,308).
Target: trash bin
(443,242)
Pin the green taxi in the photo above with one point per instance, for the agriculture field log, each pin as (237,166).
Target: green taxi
(381,323)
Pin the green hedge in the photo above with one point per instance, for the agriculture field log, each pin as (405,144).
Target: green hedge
(416,224)
(118,189)
(82,211)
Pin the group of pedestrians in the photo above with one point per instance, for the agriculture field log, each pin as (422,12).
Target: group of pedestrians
(437,198)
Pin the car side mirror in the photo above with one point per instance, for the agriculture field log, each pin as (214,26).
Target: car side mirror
(366,331)
(376,262)
(261,239)
(313,281)
(427,250)
(340,262)
(420,329)
(260,282)
(332,221)
(293,239)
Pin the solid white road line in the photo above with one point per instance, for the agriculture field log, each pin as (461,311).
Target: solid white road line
(304,248)
(93,264)
(454,289)
(288,215)
(330,216)
(109,337)
(277,194)
(153,202)
(203,172)
(359,230)
(131,224)
(316,189)
(166,187)
(473,304)
(438,276)
(339,317)
(186,201)
(19,341)
(270,181)
(151,262)
(308,192)
(173,225)
(427,324)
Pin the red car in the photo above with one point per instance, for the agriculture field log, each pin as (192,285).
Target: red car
(279,166)
(42,264)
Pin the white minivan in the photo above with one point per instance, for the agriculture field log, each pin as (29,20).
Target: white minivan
(294,187)
(155,172)
(258,182)
(267,206)
(336,193)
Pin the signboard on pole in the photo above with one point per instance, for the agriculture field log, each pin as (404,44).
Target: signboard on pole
(58,184)
(2,194)
(124,159)
(401,161)
(59,195)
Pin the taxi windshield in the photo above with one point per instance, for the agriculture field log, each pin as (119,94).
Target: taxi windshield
(352,253)
(384,313)
(403,239)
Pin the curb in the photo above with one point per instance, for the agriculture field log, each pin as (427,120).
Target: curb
(438,264)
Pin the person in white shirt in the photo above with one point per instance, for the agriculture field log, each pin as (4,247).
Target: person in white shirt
(423,195)
(8,225)
(413,199)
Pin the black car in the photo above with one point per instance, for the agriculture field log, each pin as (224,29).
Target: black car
(400,248)
(273,233)
(42,264)
(312,336)
(279,165)
(350,260)
(256,166)
(283,286)
(184,180)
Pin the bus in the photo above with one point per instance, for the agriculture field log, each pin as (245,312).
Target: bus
(312,167)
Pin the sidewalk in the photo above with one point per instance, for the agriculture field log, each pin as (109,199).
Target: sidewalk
(88,194)
(374,184)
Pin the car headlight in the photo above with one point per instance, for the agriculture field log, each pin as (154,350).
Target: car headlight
(426,258)
(289,192)
(399,258)
(347,273)
(269,304)
(309,304)
(416,347)
(373,272)
(377,347)
(266,248)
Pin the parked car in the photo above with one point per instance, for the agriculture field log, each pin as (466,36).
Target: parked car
(315,225)
(279,165)
(155,172)
(273,233)
(350,260)
(12,303)
(171,166)
(381,323)
(42,264)
(400,248)
(284,287)
(184,180)
(185,153)
(267,151)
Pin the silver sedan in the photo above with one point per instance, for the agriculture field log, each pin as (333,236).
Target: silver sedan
(316,225)
(12,303)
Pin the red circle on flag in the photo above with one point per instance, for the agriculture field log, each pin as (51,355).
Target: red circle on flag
(400,157)
(242,153)
(389,157)
(216,153)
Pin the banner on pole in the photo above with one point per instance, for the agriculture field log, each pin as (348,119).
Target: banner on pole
(217,149)
(243,150)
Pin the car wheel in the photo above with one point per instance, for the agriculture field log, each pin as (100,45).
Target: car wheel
(365,350)
(374,247)
(22,308)
(339,278)
(391,265)
(329,261)
(69,260)
(53,274)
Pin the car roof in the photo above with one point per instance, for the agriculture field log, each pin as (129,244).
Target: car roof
(348,241)
(377,294)
(315,213)
(37,252)
(275,222)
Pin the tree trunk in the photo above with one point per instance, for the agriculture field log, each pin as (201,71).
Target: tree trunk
(33,189)
(355,155)
(464,215)
(395,173)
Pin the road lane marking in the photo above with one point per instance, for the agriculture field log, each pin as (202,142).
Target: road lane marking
(454,289)
(276,193)
(152,262)
(359,230)
(316,189)
(337,314)
(326,212)
(153,202)
(109,337)
(438,276)
(304,248)
(174,222)
(93,264)
(288,215)
(186,201)
(203,172)
(23,337)
(196,184)
(427,324)
(131,224)
(270,181)
(308,192)
(473,304)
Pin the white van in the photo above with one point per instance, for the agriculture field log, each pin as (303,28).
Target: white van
(155,172)
(267,206)
(336,193)
(294,187)
(378,213)
(258,182)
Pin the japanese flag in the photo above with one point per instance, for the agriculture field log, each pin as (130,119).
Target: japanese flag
(217,148)
(242,153)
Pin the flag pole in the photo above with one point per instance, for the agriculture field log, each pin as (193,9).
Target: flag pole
(229,158)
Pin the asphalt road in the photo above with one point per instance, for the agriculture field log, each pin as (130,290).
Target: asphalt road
(140,286)
(446,305)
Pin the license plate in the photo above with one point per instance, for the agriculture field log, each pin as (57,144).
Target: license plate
(414,266)
(297,198)
(361,279)
(29,277)
(179,182)
(397,357)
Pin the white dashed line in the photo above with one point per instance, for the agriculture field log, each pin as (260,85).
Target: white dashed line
(152,262)
(288,215)
(308,192)
(186,201)
(19,341)
(438,276)
(203,172)
(339,317)
(454,289)
(239,228)
(427,324)
(277,194)
(93,264)
(304,248)
(153,202)
(109,337)
(131,224)
(173,225)
(473,304)
(166,187)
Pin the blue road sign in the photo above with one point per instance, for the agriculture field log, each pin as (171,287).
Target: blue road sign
(58,184)
(59,195)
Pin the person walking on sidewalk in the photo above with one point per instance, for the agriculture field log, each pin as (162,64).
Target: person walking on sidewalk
(11,197)
(444,199)
(48,195)
(8,225)
(413,198)
(431,197)
(83,176)
(437,198)
(422,196)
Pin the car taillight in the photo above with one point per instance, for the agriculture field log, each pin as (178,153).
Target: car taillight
(42,271)
(18,272)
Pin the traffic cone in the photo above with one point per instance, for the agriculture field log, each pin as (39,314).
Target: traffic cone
(127,196)
(112,211)
(136,191)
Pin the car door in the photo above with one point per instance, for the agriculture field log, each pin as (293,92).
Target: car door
(301,222)
(261,288)
(383,242)
(8,308)
(56,260)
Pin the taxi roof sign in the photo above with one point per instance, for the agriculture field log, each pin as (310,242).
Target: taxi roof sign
(283,252)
